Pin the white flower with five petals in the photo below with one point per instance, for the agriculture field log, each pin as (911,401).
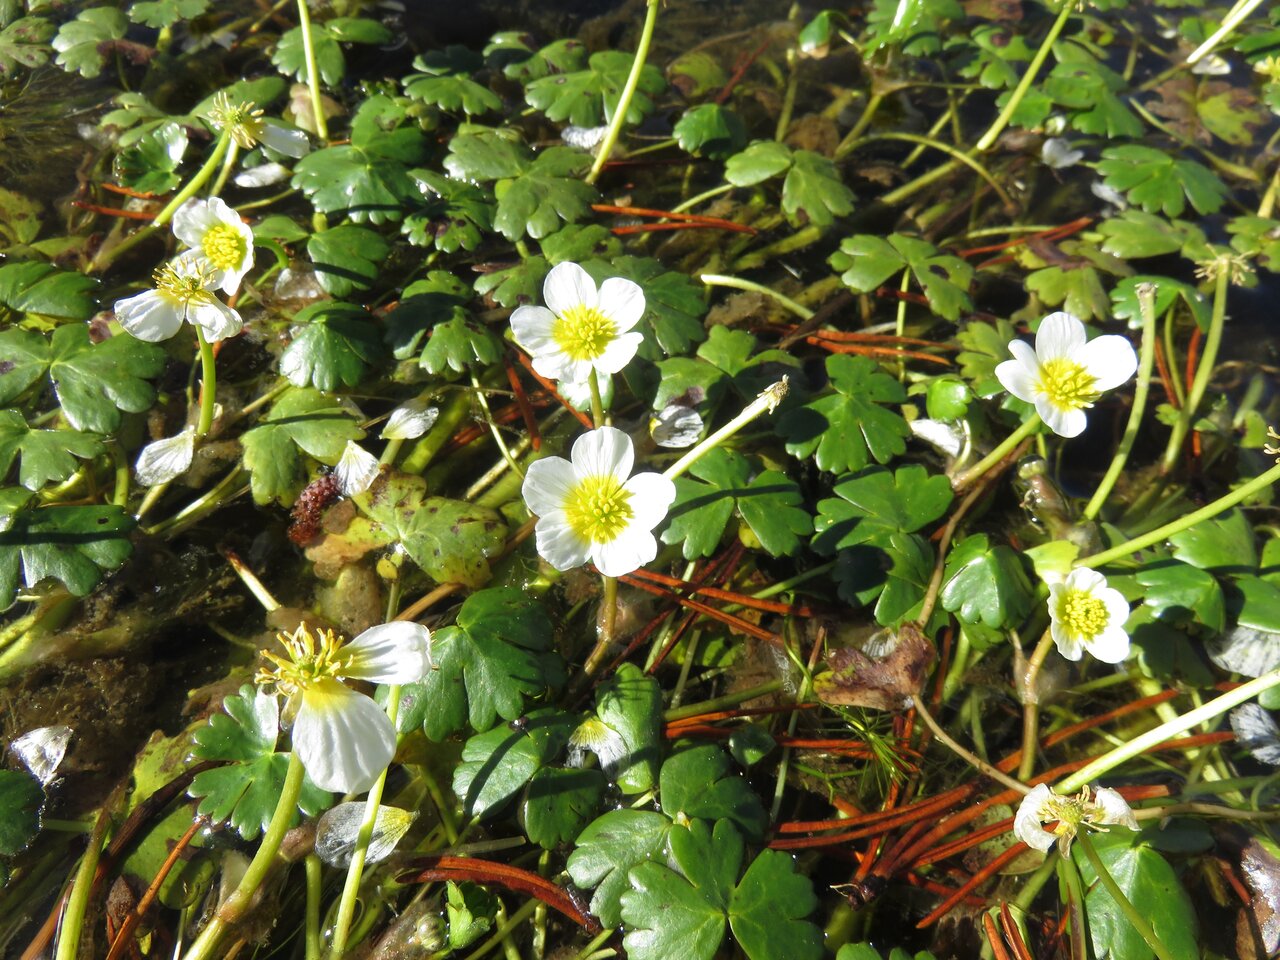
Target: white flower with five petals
(1041,805)
(219,240)
(1066,373)
(181,294)
(581,329)
(1086,615)
(592,508)
(342,737)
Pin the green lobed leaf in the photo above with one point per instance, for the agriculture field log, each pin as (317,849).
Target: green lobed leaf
(760,161)
(768,907)
(496,765)
(867,261)
(459,345)
(456,216)
(893,569)
(150,163)
(82,43)
(914,26)
(47,455)
(302,420)
(813,191)
(986,584)
(1223,544)
(559,802)
(516,285)
(1160,182)
(586,98)
(24,42)
(424,305)
(21,800)
(630,704)
(1089,91)
(546,194)
(710,130)
(164,13)
(74,545)
(1179,593)
(20,215)
(334,349)
(34,290)
(870,505)
(1134,234)
(1125,306)
(699,781)
(446,82)
(347,258)
(607,849)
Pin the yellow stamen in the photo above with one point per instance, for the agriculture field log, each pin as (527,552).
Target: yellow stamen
(1082,614)
(183,288)
(1067,384)
(241,119)
(223,246)
(583,332)
(309,658)
(599,509)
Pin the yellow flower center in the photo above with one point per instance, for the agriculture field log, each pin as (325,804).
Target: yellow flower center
(223,246)
(599,509)
(1083,614)
(182,288)
(241,119)
(583,332)
(309,658)
(1067,384)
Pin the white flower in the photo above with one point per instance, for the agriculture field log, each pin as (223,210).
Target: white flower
(263,175)
(1042,805)
(410,420)
(181,293)
(578,395)
(343,738)
(1109,195)
(356,469)
(593,735)
(593,509)
(1065,374)
(161,461)
(218,239)
(248,127)
(580,329)
(1086,614)
(1056,152)
(676,426)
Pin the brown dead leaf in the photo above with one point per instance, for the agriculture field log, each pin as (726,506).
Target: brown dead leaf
(885,683)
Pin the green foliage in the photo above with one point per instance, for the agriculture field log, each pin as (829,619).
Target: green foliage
(445,82)
(710,130)
(458,345)
(497,765)
(1077,287)
(1161,182)
(290,56)
(21,800)
(587,98)
(812,190)
(630,704)
(498,656)
(986,584)
(1224,544)
(868,261)
(871,505)
(559,803)
(301,421)
(47,455)
(674,302)
(37,292)
(425,304)
(164,13)
(83,43)
(335,347)
(244,791)
(1089,91)
(150,163)
(456,215)
(606,851)
(347,258)
(23,43)
(699,782)
(547,193)
(1134,234)
(994,54)
(914,26)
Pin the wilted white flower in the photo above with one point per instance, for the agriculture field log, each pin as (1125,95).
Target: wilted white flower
(41,750)
(162,460)
(593,735)
(1042,806)
(591,508)
(1212,66)
(1256,731)
(219,240)
(676,426)
(1087,615)
(1066,373)
(263,175)
(410,420)
(356,469)
(584,138)
(1108,194)
(580,330)
(343,738)
(181,294)
(339,828)
(1056,152)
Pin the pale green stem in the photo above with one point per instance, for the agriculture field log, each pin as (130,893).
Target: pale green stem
(846,145)
(765,403)
(954,153)
(1147,306)
(977,763)
(1204,370)
(493,427)
(199,507)
(1010,443)
(313,907)
(1136,919)
(1166,731)
(597,403)
(313,72)
(355,869)
(81,888)
(228,164)
(719,280)
(1031,706)
(722,703)
(628,91)
(208,383)
(705,195)
(788,99)
(609,607)
(1232,20)
(900,320)
(390,452)
(207,943)
(1241,493)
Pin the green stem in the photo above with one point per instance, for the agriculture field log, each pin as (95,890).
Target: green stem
(986,769)
(847,145)
(235,906)
(1147,306)
(81,888)
(1136,919)
(1229,23)
(1241,493)
(313,72)
(722,703)
(609,607)
(954,153)
(313,907)
(1031,706)
(628,91)
(493,426)
(1166,731)
(355,869)
(1204,369)
(228,164)
(765,403)
(208,384)
(705,195)
(597,403)
(1010,442)
(737,283)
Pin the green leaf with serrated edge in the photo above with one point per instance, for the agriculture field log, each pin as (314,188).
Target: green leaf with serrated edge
(587,98)
(302,419)
(683,915)
(710,130)
(456,217)
(164,13)
(867,261)
(496,765)
(425,304)
(1078,290)
(699,781)
(846,429)
(697,74)
(334,349)
(93,382)
(1160,182)
(1224,544)
(546,195)
(984,346)
(150,164)
(1177,593)
(75,545)
(871,504)
(1150,884)
(499,655)
(1135,234)
(347,258)
(450,540)
(735,352)
(21,800)
(813,192)
(516,285)
(994,53)
(19,214)
(47,455)
(471,911)
(1125,306)
(458,345)
(760,161)
(986,584)
(630,704)
(894,569)
(915,26)
(768,907)
(576,242)
(1257,238)
(42,291)
(80,42)
(279,227)
(246,790)
(446,82)
(559,802)
(772,507)
(674,302)
(290,54)
(1089,91)
(24,43)
(606,851)
(480,154)
(368,180)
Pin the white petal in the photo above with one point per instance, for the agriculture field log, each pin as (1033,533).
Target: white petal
(216,319)
(396,652)
(558,544)
(531,326)
(1110,359)
(1114,808)
(1065,423)
(1026,823)
(628,551)
(558,366)
(263,175)
(568,286)
(161,461)
(342,737)
(149,316)
(578,393)
(1019,379)
(676,427)
(193,219)
(356,469)
(618,353)
(548,484)
(1256,731)
(1056,152)
(622,301)
(410,420)
(1060,335)
(595,736)
(651,497)
(603,451)
(1110,646)
(1082,578)
(41,750)
(1069,647)
(339,828)
(285,139)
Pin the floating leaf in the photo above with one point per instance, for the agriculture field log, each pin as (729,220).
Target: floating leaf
(760,161)
(630,704)
(914,26)
(40,291)
(699,781)
(547,193)
(47,455)
(496,765)
(1089,91)
(24,42)
(1161,182)
(588,97)
(867,261)
(456,216)
(290,53)
(876,502)
(150,163)
(21,800)
(606,851)
(165,13)
(302,420)
(334,349)
(445,82)
(559,803)
(710,130)
(813,191)
(459,345)
(425,305)
(82,43)
(347,258)
(986,584)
